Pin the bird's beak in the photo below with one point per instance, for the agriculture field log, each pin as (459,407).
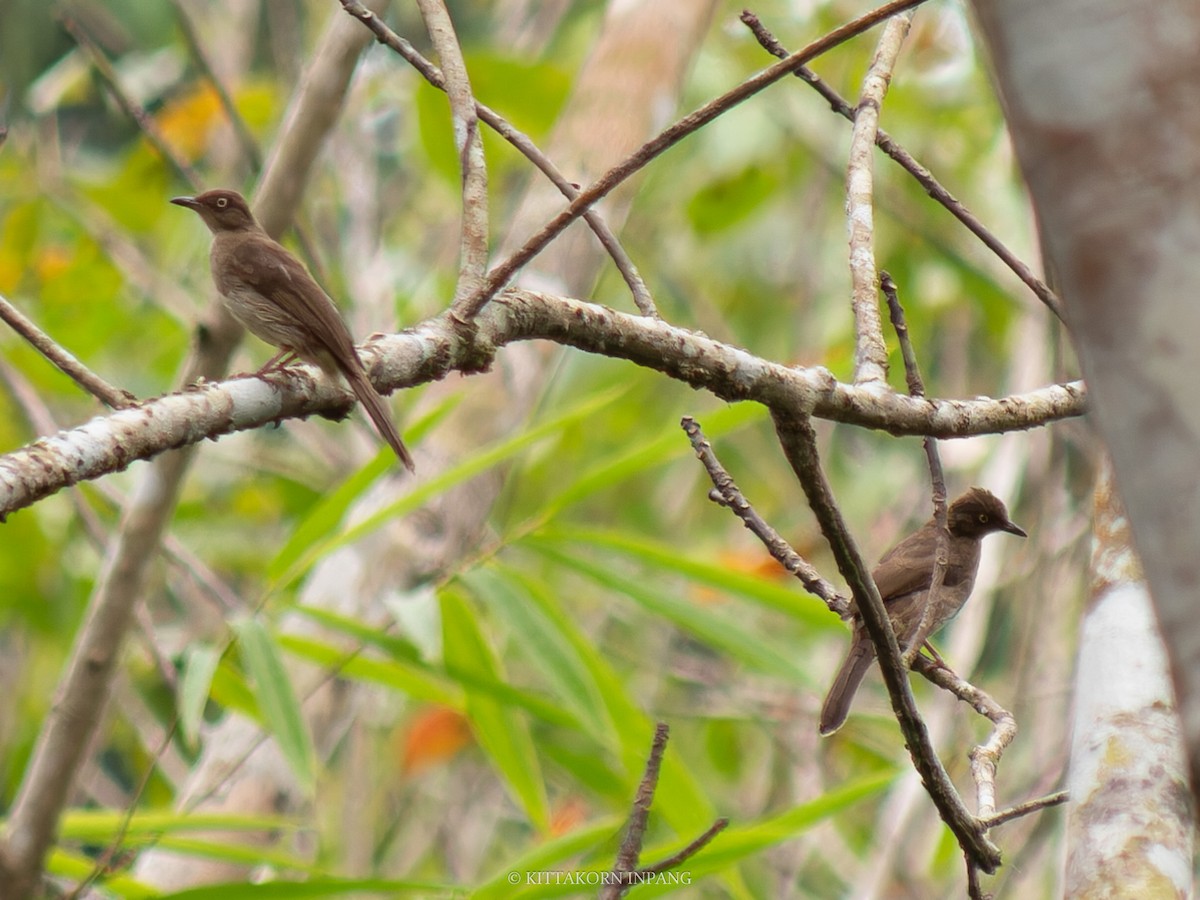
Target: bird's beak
(189,202)
(1007,526)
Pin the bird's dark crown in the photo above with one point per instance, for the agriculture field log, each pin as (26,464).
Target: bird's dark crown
(979,512)
(221,210)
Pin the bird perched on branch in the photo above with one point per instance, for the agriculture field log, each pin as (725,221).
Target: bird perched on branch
(903,577)
(273,296)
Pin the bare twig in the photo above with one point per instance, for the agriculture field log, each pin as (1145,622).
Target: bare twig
(676,859)
(635,831)
(132,109)
(473,243)
(64,361)
(500,275)
(923,176)
(625,872)
(726,493)
(1024,809)
(870,351)
(637,286)
(245,139)
(799,444)
(937,478)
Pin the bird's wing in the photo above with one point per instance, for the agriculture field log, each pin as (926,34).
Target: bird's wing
(908,566)
(266,266)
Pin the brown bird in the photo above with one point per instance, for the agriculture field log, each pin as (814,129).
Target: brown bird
(903,577)
(275,298)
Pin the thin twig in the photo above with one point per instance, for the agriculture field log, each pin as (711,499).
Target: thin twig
(635,832)
(1024,809)
(105,859)
(64,361)
(501,274)
(799,444)
(675,859)
(245,139)
(923,176)
(726,493)
(128,105)
(473,238)
(870,351)
(625,871)
(937,478)
(521,142)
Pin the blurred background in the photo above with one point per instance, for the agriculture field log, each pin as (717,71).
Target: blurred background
(495,704)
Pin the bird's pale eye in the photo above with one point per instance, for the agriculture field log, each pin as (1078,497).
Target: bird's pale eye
(222,203)
(983,517)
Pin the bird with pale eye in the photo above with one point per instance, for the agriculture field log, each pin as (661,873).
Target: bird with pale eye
(273,296)
(903,578)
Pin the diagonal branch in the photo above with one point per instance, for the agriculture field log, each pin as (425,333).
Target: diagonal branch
(64,360)
(522,143)
(799,444)
(922,175)
(655,147)
(870,351)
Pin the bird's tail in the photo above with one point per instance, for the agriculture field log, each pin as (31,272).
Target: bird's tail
(849,676)
(378,411)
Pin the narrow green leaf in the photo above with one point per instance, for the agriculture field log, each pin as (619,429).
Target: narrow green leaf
(276,699)
(423,491)
(325,886)
(669,444)
(548,648)
(413,678)
(766,593)
(326,515)
(680,800)
(753,650)
(501,731)
(199,665)
(545,857)
(98,826)
(738,844)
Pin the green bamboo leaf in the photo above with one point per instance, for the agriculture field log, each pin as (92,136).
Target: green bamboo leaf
(753,650)
(412,678)
(546,857)
(276,699)
(670,444)
(680,799)
(501,731)
(327,514)
(737,844)
(325,886)
(791,601)
(77,867)
(199,665)
(98,826)
(230,689)
(547,647)
(423,491)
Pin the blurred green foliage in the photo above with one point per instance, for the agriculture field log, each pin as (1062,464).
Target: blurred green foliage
(608,592)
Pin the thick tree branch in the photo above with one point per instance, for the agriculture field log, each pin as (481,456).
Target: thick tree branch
(799,444)
(434,349)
